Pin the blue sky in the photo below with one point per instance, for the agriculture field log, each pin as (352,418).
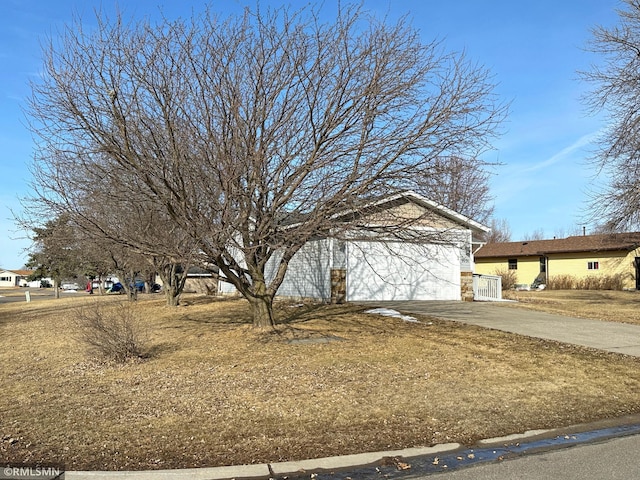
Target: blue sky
(533,49)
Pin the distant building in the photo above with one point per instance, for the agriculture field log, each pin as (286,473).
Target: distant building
(16,278)
(579,257)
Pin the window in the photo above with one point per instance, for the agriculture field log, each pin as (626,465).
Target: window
(513,264)
(5,279)
(593,265)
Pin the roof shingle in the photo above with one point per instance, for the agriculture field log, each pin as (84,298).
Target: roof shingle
(576,244)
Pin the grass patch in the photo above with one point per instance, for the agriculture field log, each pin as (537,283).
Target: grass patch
(609,305)
(333,380)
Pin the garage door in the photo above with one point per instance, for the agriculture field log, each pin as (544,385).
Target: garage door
(399,271)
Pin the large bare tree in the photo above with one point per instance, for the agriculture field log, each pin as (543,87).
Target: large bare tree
(252,132)
(461,184)
(616,91)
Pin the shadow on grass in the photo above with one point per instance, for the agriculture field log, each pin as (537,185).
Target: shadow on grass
(160,349)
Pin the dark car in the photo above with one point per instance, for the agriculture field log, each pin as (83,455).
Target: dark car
(116,288)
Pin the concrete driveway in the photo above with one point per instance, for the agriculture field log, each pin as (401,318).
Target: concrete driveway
(609,336)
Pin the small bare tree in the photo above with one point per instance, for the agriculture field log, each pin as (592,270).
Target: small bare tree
(500,231)
(253,133)
(616,90)
(537,234)
(111,332)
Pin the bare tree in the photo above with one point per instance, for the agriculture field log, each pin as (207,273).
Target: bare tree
(614,204)
(253,133)
(461,184)
(500,231)
(537,234)
(133,233)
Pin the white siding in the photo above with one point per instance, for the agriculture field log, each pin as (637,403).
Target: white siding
(8,279)
(309,272)
(402,271)
(308,275)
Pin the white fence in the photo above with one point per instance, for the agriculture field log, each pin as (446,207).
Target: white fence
(487,288)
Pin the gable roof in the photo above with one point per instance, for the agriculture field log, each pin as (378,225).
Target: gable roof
(390,201)
(575,244)
(366,206)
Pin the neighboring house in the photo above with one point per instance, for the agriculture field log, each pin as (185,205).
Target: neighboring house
(429,258)
(199,280)
(537,261)
(15,278)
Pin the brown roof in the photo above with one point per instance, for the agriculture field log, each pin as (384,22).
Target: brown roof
(22,273)
(584,243)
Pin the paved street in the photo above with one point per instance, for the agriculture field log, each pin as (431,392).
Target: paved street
(614,459)
(12,295)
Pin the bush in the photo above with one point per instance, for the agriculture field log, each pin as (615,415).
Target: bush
(607,282)
(112,333)
(592,282)
(561,282)
(509,278)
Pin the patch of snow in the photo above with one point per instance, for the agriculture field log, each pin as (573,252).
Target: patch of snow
(387,312)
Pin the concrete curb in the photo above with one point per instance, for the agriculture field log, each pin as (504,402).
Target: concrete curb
(356,460)
(515,437)
(361,460)
(261,471)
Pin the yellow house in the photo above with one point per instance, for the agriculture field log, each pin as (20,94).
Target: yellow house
(587,257)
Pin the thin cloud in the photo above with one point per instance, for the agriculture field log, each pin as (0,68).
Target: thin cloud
(565,152)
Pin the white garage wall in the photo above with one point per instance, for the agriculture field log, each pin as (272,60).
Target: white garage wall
(309,272)
(308,275)
(402,271)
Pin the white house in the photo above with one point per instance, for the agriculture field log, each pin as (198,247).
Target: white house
(429,258)
(15,278)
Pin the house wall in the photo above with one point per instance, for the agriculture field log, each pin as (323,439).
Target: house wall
(207,285)
(527,271)
(374,269)
(8,279)
(572,264)
(309,271)
(411,212)
(609,263)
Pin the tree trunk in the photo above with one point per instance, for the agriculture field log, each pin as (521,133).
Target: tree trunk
(262,312)
(261,306)
(173,280)
(56,288)
(133,291)
(171,294)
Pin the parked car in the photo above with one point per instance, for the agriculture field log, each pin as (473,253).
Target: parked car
(70,286)
(116,288)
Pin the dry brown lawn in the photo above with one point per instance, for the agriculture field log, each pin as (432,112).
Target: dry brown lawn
(212,391)
(609,305)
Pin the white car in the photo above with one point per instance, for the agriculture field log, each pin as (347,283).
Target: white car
(70,286)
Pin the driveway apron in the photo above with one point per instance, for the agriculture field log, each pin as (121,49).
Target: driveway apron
(610,336)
